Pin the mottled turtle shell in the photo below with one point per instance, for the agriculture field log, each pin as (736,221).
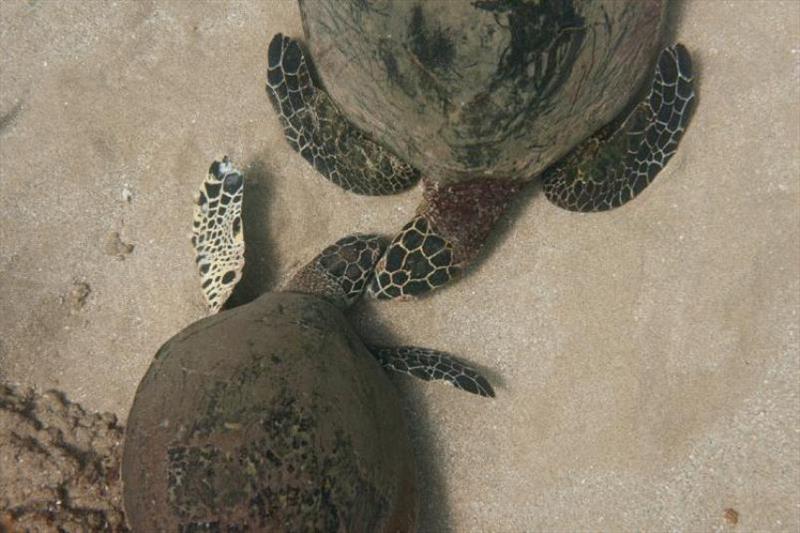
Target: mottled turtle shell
(482,88)
(271,416)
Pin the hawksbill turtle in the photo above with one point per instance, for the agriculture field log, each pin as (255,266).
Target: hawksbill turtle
(479,97)
(275,415)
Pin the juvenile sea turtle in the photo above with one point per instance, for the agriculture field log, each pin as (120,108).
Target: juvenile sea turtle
(274,415)
(480,96)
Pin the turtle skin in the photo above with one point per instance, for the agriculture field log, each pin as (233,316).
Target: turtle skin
(270,416)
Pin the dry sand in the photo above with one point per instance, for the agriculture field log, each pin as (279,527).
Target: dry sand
(646,359)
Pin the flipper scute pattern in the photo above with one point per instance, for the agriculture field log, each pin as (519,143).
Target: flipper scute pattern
(432,365)
(617,163)
(316,129)
(417,261)
(218,236)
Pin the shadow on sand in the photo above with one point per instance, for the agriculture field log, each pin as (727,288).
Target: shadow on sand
(259,274)
(433,496)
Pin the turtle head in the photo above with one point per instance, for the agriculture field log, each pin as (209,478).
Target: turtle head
(341,273)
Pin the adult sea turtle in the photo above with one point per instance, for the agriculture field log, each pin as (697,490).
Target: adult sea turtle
(479,97)
(274,415)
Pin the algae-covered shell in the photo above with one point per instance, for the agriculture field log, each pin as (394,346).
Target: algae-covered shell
(270,416)
(482,88)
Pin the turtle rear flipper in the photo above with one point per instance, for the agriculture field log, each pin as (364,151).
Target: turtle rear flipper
(617,163)
(218,236)
(324,137)
(432,365)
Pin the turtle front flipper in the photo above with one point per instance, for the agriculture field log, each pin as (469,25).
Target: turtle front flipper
(317,130)
(432,365)
(617,163)
(218,236)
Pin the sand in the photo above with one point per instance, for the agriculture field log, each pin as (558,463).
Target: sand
(646,359)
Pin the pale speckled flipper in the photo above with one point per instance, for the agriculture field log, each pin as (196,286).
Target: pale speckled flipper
(317,130)
(432,365)
(617,163)
(218,236)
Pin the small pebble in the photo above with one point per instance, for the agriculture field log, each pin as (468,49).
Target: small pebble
(732,516)
(78,295)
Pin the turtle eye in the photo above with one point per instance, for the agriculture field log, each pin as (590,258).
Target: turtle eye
(232,182)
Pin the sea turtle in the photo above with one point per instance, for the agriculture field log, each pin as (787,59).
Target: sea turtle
(274,415)
(479,97)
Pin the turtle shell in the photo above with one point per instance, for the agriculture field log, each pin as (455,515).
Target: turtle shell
(482,88)
(271,416)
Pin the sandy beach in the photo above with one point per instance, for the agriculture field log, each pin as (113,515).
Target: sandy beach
(646,360)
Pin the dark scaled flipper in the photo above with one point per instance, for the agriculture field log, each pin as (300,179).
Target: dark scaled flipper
(617,163)
(317,130)
(433,365)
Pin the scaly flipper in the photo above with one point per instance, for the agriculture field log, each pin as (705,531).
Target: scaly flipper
(340,273)
(617,163)
(317,130)
(418,260)
(432,365)
(218,237)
